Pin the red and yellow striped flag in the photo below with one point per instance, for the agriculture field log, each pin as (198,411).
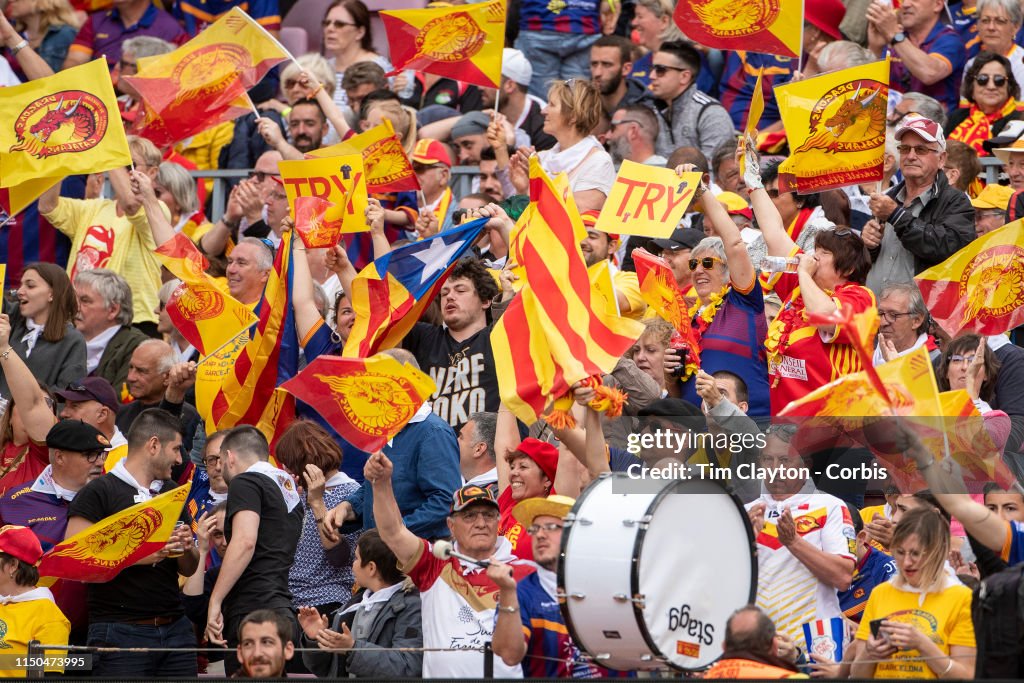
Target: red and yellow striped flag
(203,82)
(464,42)
(554,334)
(61,125)
(205,315)
(97,554)
(769,26)
(249,392)
(981,287)
(835,124)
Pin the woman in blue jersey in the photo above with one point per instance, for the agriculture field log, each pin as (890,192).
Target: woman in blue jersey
(729,318)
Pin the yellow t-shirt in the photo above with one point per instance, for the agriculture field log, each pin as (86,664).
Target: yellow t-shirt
(628,286)
(944,617)
(124,244)
(21,622)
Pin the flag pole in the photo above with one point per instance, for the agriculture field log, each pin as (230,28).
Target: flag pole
(800,54)
(220,348)
(274,40)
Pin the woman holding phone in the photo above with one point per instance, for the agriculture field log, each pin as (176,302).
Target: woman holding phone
(919,624)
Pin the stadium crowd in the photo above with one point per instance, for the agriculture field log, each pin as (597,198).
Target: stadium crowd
(317,557)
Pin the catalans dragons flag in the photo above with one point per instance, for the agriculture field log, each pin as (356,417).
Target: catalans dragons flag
(385,162)
(464,42)
(835,124)
(58,126)
(97,554)
(203,82)
(770,26)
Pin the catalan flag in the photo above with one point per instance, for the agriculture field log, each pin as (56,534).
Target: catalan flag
(554,334)
(205,315)
(248,393)
(981,287)
(463,42)
(835,124)
(770,26)
(57,126)
(367,400)
(203,82)
(97,554)
(385,162)
(390,294)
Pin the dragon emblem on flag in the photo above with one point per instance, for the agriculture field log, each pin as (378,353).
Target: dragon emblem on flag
(727,18)
(992,284)
(385,162)
(374,403)
(197,304)
(64,122)
(849,118)
(109,546)
(209,72)
(451,38)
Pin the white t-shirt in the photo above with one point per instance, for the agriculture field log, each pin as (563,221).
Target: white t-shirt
(786,589)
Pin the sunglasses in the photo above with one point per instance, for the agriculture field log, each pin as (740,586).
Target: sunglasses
(662,69)
(774,193)
(707,263)
(998,81)
(336,23)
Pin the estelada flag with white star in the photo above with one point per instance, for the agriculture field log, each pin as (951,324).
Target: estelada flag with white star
(389,295)
(464,42)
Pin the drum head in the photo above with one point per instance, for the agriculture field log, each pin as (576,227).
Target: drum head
(696,564)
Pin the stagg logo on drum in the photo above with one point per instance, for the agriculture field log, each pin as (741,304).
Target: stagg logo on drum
(679,619)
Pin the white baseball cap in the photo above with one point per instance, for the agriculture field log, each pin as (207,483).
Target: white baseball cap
(515,66)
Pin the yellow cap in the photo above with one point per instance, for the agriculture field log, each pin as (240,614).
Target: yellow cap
(993,197)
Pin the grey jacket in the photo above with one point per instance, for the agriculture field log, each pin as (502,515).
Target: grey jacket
(55,364)
(731,420)
(694,119)
(398,624)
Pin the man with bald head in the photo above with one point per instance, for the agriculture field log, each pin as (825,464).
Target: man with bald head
(154,381)
(751,649)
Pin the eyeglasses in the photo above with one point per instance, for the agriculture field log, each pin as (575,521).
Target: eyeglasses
(956,359)
(707,263)
(619,123)
(918,150)
(336,23)
(487,515)
(263,175)
(550,527)
(893,316)
(93,456)
(290,83)
(662,69)
(997,80)
(212,459)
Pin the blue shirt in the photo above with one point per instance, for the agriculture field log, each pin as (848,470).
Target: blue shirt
(104,32)
(944,43)
(1013,550)
(739,78)
(196,15)
(570,16)
(965,21)
(874,568)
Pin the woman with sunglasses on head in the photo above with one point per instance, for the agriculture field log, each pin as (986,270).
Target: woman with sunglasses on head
(729,317)
(991,90)
(926,629)
(803,356)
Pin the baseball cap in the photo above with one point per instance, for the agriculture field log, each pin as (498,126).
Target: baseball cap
(825,15)
(553,506)
(20,542)
(544,454)
(91,389)
(926,128)
(473,123)
(993,197)
(681,238)
(515,66)
(470,494)
(430,152)
(76,436)
(735,204)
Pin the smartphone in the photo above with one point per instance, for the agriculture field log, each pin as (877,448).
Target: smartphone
(875,625)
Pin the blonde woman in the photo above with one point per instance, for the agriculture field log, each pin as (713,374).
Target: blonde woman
(922,618)
(49,26)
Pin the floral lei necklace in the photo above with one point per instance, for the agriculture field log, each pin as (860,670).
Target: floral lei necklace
(785,323)
(706,314)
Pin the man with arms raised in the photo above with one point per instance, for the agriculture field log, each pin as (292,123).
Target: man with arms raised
(459,598)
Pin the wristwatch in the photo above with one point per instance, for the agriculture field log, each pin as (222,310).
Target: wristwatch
(898,38)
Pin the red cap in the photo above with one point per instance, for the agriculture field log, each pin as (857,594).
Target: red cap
(430,152)
(926,128)
(590,220)
(544,454)
(20,542)
(825,15)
